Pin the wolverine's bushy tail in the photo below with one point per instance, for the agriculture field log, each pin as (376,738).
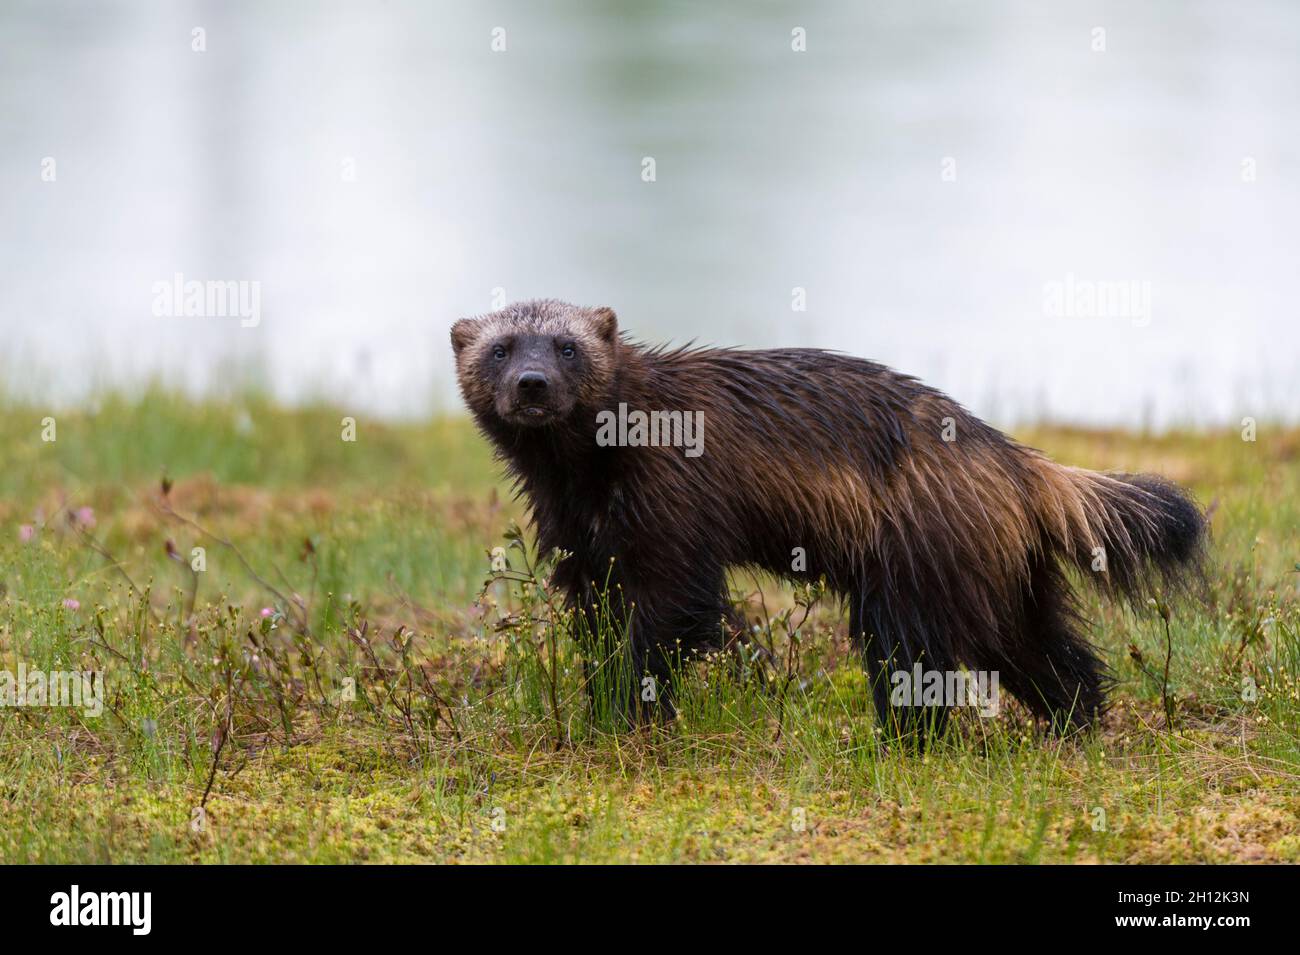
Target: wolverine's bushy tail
(1128,533)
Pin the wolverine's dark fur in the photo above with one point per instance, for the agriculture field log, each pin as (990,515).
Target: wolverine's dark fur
(948,552)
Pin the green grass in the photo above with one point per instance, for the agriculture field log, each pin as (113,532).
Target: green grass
(470,738)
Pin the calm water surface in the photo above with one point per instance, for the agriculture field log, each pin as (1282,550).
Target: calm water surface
(930,174)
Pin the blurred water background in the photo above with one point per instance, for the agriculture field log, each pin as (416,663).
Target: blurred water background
(1170,158)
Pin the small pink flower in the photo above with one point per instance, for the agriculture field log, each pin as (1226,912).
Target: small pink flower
(86,516)
(268,612)
(26,533)
(71,604)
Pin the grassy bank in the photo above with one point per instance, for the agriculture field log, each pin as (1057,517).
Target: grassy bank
(330,686)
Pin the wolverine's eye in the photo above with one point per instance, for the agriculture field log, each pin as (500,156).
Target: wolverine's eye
(499,353)
(568,351)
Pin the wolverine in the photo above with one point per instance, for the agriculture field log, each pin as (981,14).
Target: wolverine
(950,543)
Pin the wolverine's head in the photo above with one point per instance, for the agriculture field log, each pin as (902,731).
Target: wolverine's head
(531,364)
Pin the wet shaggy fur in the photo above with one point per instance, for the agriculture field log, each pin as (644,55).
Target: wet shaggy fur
(947,552)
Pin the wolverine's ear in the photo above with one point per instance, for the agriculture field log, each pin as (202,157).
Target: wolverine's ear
(605,322)
(463,333)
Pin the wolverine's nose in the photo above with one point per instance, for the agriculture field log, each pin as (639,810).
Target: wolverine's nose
(532,384)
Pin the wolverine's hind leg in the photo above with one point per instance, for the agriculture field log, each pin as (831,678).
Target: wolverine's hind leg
(1049,665)
(895,635)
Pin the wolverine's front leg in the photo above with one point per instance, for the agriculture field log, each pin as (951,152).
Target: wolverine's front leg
(672,617)
(614,632)
(640,625)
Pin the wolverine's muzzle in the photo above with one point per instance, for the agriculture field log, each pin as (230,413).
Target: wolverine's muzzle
(531,401)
